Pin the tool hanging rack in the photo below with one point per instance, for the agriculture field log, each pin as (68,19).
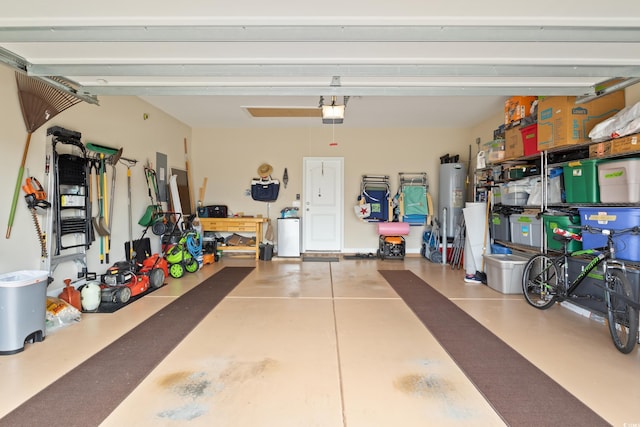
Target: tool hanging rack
(100,157)
(70,223)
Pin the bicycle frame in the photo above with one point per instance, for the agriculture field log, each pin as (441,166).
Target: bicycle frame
(545,281)
(605,257)
(570,286)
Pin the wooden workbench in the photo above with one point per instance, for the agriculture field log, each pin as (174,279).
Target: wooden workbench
(236,225)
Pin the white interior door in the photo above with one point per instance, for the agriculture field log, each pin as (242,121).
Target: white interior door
(323,199)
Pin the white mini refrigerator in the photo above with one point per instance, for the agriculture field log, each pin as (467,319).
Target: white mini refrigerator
(288,237)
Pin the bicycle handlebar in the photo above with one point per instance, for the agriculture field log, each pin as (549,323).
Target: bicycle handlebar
(607,231)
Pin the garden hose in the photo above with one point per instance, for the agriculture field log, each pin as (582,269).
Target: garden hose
(193,242)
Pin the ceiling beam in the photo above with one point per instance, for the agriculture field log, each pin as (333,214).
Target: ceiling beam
(321,33)
(12,60)
(344,70)
(388,90)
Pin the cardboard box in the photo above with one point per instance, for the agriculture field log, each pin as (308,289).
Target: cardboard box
(626,144)
(513,146)
(601,149)
(563,122)
(517,108)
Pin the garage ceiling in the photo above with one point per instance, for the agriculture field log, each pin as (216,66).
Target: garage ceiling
(446,64)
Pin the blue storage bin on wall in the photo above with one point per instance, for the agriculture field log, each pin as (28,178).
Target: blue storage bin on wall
(613,218)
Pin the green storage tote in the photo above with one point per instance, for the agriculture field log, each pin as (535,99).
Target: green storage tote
(565,222)
(581,181)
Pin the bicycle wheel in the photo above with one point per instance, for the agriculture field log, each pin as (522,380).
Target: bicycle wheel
(623,319)
(540,282)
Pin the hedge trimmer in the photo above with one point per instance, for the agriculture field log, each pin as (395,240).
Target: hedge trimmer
(36,198)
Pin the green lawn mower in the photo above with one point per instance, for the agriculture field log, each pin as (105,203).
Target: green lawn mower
(182,256)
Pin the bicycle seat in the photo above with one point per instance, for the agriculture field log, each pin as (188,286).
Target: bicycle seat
(560,238)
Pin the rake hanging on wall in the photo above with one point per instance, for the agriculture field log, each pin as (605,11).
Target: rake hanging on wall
(39,102)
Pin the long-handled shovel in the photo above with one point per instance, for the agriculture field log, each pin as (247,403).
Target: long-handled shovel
(106,210)
(113,160)
(97,226)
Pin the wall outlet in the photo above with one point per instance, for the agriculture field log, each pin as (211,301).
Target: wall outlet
(296,203)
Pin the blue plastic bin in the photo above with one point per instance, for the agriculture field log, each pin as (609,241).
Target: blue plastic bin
(613,218)
(499,249)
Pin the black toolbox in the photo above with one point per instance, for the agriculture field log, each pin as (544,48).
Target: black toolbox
(213,211)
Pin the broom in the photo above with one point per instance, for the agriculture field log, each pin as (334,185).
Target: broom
(39,102)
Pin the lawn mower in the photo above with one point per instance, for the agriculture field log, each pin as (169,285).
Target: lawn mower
(126,279)
(182,256)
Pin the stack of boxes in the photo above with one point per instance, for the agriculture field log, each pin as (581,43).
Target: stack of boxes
(559,122)
(519,121)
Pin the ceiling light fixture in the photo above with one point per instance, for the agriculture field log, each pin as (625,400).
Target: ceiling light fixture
(333,113)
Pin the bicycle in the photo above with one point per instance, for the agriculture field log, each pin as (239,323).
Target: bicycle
(545,281)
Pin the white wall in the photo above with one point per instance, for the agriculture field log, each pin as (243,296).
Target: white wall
(229,158)
(117,122)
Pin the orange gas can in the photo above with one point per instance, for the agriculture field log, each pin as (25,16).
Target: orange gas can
(71,295)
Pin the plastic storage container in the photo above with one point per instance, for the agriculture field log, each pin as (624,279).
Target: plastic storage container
(565,222)
(581,181)
(612,218)
(619,181)
(530,139)
(494,150)
(499,249)
(496,194)
(526,230)
(504,272)
(500,229)
(265,251)
(514,194)
(23,302)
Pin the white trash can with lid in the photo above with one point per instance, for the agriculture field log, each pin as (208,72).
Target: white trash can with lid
(23,300)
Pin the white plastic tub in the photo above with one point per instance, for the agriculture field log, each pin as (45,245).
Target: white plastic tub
(504,272)
(515,193)
(619,181)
